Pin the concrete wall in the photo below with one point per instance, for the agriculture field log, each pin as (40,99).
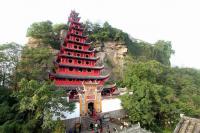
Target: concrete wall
(115,114)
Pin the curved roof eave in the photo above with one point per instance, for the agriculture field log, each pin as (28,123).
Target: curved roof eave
(80,77)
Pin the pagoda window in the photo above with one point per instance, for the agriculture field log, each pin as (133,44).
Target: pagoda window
(70,69)
(69,53)
(70,61)
(78,55)
(87,62)
(76,32)
(80,47)
(79,62)
(80,69)
(77,39)
(87,55)
(76,26)
(89,70)
(58,60)
(75,46)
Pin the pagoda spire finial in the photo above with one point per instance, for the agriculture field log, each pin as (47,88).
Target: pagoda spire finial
(74,16)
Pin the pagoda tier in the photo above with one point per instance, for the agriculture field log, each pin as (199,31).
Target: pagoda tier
(76,61)
(64,65)
(80,41)
(84,71)
(80,56)
(77,35)
(63,79)
(77,50)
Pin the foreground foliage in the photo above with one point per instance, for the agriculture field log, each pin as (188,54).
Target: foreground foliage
(158,94)
(31,108)
(9,58)
(28,100)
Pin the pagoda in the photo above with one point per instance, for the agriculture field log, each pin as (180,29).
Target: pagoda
(76,62)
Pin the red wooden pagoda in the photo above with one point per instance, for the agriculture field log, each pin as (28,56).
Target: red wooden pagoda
(76,61)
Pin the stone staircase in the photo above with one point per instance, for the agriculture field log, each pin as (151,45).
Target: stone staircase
(87,120)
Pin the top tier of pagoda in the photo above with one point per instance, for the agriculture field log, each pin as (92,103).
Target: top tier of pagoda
(76,61)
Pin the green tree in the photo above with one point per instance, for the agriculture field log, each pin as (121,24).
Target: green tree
(35,64)
(151,103)
(36,104)
(30,107)
(47,33)
(58,27)
(163,51)
(40,30)
(9,57)
(185,82)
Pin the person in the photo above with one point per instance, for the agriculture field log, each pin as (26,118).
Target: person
(108,129)
(100,121)
(96,128)
(101,125)
(115,130)
(91,126)
(80,128)
(70,130)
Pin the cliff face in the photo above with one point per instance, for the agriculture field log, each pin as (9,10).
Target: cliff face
(33,42)
(37,43)
(112,55)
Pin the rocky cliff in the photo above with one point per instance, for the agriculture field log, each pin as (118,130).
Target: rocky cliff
(35,43)
(112,55)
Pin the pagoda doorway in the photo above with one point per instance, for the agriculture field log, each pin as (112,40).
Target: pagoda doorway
(91,108)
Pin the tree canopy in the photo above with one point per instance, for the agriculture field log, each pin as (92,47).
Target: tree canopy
(46,32)
(28,100)
(9,57)
(159,93)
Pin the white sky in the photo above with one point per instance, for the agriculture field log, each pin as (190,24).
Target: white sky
(177,21)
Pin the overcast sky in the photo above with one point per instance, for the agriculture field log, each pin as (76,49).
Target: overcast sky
(177,21)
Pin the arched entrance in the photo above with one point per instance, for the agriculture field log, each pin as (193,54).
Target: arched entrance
(90,100)
(90,108)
